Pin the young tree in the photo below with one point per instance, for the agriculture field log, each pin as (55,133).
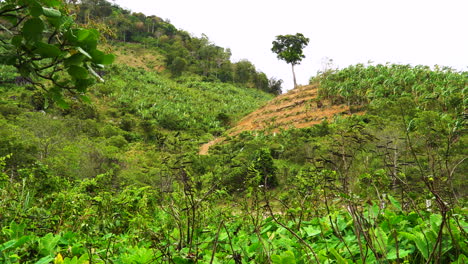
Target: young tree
(289,48)
(274,86)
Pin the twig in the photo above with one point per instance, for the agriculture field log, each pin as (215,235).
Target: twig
(216,241)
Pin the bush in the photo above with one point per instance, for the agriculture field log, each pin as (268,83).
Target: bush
(9,110)
(117,141)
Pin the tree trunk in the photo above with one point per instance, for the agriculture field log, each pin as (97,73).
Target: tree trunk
(294,76)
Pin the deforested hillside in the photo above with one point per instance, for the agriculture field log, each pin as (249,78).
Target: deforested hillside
(298,108)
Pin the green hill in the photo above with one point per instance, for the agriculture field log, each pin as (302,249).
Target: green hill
(134,109)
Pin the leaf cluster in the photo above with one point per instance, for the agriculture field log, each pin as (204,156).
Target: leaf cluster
(49,50)
(290,47)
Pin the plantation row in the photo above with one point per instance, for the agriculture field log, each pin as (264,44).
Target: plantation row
(442,89)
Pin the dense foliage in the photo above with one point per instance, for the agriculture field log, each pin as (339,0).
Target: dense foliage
(113,182)
(441,89)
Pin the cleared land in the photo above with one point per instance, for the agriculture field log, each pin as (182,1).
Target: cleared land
(297,108)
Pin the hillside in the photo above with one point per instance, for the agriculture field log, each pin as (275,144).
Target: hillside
(135,109)
(126,164)
(298,108)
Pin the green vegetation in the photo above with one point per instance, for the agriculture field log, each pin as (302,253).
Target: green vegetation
(111,182)
(119,180)
(442,89)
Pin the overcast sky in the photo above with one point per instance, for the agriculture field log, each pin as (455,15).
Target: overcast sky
(425,32)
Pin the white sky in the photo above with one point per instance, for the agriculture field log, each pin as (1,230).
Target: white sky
(425,32)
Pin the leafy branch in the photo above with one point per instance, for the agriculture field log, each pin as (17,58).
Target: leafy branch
(48,49)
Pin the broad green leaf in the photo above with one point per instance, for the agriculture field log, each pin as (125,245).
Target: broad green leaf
(179,260)
(62,21)
(288,258)
(223,236)
(53,3)
(312,231)
(81,85)
(436,221)
(339,258)
(107,59)
(85,99)
(45,260)
(419,240)
(91,40)
(35,10)
(84,259)
(82,34)
(78,72)
(70,36)
(47,50)
(76,59)
(380,240)
(48,243)
(392,254)
(100,57)
(394,202)
(276,259)
(22,240)
(32,29)
(407,235)
(252,248)
(8,245)
(97,55)
(74,260)
(51,12)
(17,40)
(462,259)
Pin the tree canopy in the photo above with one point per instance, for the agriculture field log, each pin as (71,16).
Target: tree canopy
(289,47)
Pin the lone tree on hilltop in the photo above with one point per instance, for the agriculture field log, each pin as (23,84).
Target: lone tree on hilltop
(289,48)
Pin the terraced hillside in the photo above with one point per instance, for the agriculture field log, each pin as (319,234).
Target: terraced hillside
(297,108)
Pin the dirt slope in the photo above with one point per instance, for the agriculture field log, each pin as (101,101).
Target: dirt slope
(297,108)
